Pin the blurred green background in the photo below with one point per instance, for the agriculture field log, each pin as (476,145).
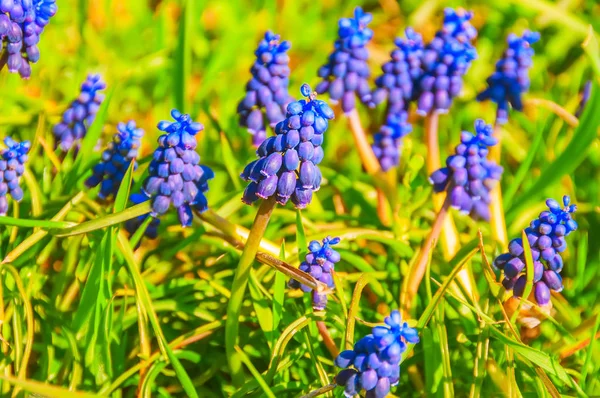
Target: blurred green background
(195,55)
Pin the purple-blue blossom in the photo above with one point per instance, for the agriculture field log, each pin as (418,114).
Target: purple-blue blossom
(267,93)
(175,175)
(287,167)
(469,176)
(319,262)
(400,73)
(81,113)
(21,25)
(387,140)
(374,363)
(121,151)
(12,167)
(445,61)
(346,73)
(546,237)
(511,78)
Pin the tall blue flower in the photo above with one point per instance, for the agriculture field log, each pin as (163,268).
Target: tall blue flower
(21,24)
(121,151)
(267,92)
(175,174)
(400,74)
(468,176)
(386,145)
(374,363)
(288,164)
(133,224)
(80,114)
(511,78)
(546,236)
(319,262)
(12,167)
(445,61)
(346,73)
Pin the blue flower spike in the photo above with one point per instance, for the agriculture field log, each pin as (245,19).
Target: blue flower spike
(445,61)
(346,73)
(121,151)
(12,167)
(81,113)
(21,25)
(374,363)
(267,93)
(287,167)
(386,144)
(175,174)
(469,176)
(511,78)
(319,263)
(546,236)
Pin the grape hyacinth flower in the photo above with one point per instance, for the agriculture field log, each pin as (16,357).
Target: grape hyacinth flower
(21,25)
(133,224)
(396,83)
(386,145)
(12,167)
(319,263)
(288,164)
(80,114)
(445,61)
(584,98)
(469,176)
(346,72)
(374,363)
(267,93)
(175,174)
(546,236)
(511,78)
(121,151)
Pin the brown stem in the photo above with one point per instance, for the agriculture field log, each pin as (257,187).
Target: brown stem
(327,340)
(368,158)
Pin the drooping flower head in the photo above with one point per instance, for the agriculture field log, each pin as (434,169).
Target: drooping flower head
(445,61)
(21,24)
(469,176)
(287,167)
(267,93)
(319,262)
(546,236)
(346,73)
(121,151)
(12,167)
(374,363)
(81,113)
(511,78)
(386,146)
(175,174)
(133,224)
(396,83)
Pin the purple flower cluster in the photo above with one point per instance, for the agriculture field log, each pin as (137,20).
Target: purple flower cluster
(12,167)
(511,78)
(445,61)
(399,74)
(319,262)
(346,72)
(133,224)
(386,145)
(80,114)
(121,151)
(374,363)
(546,236)
(267,93)
(175,174)
(468,176)
(288,164)
(21,24)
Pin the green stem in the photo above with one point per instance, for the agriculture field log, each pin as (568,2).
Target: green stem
(238,288)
